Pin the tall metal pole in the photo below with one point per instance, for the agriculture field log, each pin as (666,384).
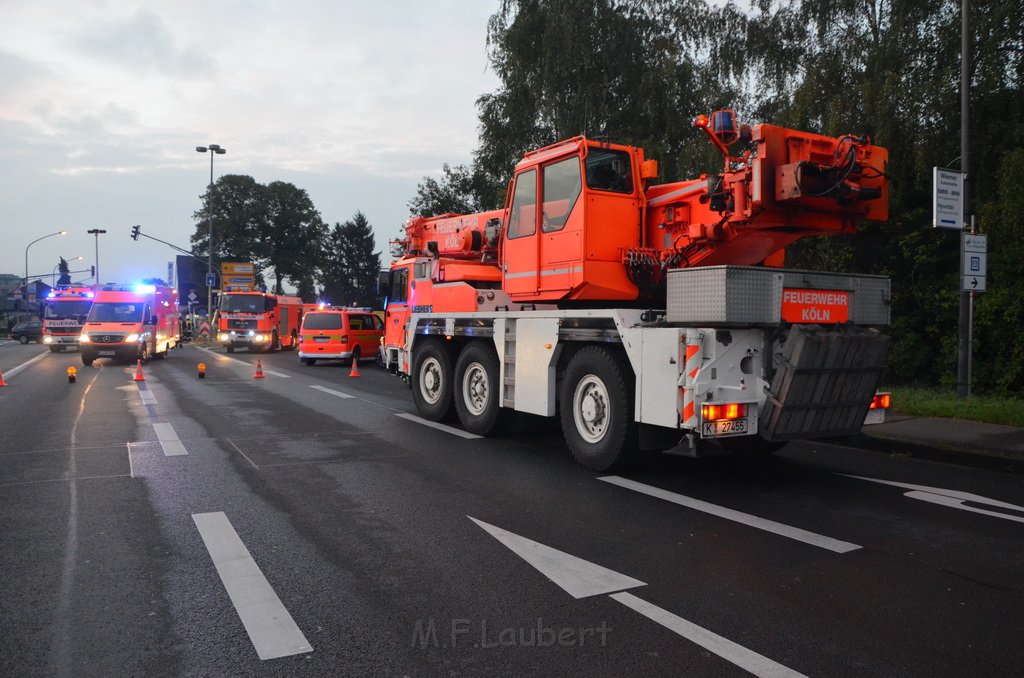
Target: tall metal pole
(209,259)
(96,232)
(963,377)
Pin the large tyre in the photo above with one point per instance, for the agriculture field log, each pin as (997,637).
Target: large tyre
(144,353)
(354,360)
(432,380)
(275,342)
(87,360)
(230,348)
(597,410)
(294,342)
(23,339)
(477,389)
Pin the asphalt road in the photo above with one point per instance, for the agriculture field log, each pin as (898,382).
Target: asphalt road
(237,526)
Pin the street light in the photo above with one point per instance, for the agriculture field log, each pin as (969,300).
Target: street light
(213,149)
(96,232)
(33,243)
(53,276)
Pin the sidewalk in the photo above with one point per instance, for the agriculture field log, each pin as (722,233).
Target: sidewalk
(966,441)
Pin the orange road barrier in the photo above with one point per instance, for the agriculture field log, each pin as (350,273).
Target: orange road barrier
(138,372)
(259,369)
(201,370)
(72,374)
(2,382)
(355,368)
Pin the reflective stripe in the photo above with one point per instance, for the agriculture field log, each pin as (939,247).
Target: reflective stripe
(547,271)
(691,366)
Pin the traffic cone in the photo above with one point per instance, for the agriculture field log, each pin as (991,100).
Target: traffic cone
(138,372)
(259,369)
(72,374)
(2,382)
(355,368)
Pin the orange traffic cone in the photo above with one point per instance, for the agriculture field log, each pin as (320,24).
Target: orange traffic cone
(2,382)
(138,372)
(355,368)
(259,369)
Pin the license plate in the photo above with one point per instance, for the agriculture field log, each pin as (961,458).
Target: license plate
(107,353)
(729,427)
(321,340)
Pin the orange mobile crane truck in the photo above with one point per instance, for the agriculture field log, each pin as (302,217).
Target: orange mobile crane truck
(650,316)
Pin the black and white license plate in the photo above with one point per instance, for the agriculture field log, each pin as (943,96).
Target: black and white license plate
(321,340)
(730,427)
(107,352)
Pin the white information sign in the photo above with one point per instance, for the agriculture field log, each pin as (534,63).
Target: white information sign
(947,199)
(975,253)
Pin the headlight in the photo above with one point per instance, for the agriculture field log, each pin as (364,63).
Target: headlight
(131,338)
(259,337)
(47,339)
(84,338)
(225,337)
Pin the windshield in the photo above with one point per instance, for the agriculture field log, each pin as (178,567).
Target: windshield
(243,303)
(116,312)
(322,321)
(67,309)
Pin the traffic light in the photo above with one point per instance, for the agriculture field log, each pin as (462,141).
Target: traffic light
(92,273)
(135,232)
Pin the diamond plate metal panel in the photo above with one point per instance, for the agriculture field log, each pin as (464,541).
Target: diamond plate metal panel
(731,295)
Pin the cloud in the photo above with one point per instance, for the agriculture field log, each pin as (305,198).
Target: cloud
(142,44)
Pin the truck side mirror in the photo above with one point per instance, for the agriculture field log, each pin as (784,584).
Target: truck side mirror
(152,320)
(383,283)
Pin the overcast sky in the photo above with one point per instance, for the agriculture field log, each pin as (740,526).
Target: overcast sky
(102,103)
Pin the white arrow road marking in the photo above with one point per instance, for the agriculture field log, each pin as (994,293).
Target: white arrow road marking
(951,498)
(272,373)
(169,440)
(756,663)
(781,529)
(577,577)
(440,427)
(332,391)
(581,578)
(271,628)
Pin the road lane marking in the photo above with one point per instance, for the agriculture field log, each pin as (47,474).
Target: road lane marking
(273,373)
(577,577)
(271,628)
(13,371)
(949,498)
(440,427)
(772,526)
(332,391)
(147,396)
(169,440)
(131,468)
(239,450)
(580,579)
(736,654)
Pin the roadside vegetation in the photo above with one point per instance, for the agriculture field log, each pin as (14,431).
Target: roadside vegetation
(923,402)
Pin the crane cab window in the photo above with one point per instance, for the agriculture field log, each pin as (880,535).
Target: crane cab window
(609,170)
(398,286)
(561,188)
(523,216)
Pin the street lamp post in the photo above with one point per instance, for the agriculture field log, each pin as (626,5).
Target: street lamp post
(96,232)
(213,149)
(33,243)
(53,276)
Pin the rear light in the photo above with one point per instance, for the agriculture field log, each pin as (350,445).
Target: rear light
(721,412)
(344,338)
(881,401)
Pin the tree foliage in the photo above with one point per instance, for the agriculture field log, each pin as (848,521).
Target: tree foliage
(352,265)
(639,71)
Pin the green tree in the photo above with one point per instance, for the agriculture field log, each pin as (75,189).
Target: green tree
(239,221)
(65,272)
(295,234)
(352,264)
(461,190)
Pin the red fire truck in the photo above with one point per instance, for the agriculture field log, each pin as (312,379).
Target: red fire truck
(259,321)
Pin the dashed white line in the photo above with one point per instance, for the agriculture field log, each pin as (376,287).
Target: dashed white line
(781,529)
(756,663)
(332,391)
(169,440)
(271,628)
(440,427)
(147,396)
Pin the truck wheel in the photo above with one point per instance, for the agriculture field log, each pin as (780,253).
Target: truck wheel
(144,353)
(275,342)
(87,360)
(230,348)
(432,380)
(597,411)
(294,343)
(354,360)
(477,389)
(23,339)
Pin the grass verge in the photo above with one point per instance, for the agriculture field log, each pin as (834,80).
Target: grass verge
(920,402)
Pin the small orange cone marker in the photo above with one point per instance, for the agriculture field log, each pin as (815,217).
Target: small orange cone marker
(2,382)
(355,368)
(138,372)
(201,373)
(259,369)
(72,373)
